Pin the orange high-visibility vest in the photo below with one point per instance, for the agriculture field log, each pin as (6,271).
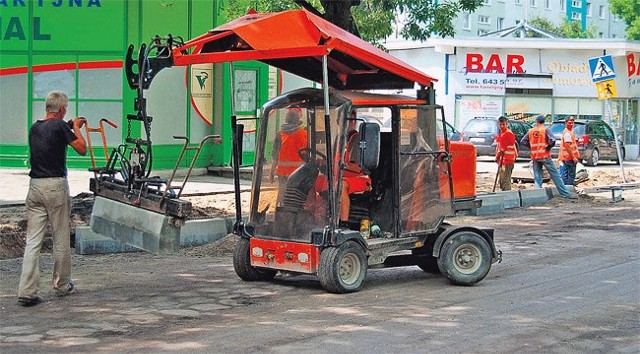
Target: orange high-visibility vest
(288,158)
(538,142)
(510,151)
(565,154)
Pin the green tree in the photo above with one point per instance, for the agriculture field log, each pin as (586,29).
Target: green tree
(372,20)
(568,28)
(629,11)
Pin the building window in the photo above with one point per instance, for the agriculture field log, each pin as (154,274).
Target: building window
(601,11)
(533,3)
(486,2)
(600,35)
(547,4)
(500,23)
(518,2)
(466,21)
(563,5)
(589,10)
(576,3)
(576,16)
(484,20)
(482,32)
(616,18)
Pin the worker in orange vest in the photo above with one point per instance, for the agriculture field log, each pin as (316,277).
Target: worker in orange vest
(541,140)
(290,139)
(506,153)
(569,154)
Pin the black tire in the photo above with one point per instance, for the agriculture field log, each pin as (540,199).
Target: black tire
(429,264)
(594,158)
(243,267)
(343,269)
(465,258)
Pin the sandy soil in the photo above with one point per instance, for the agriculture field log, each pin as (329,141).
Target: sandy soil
(13,222)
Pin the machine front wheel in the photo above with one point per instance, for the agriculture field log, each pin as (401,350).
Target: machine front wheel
(465,258)
(342,269)
(243,267)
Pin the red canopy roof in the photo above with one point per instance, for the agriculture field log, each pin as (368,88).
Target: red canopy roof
(295,41)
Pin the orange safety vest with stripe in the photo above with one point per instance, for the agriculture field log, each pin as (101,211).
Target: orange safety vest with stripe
(288,158)
(538,142)
(510,150)
(569,154)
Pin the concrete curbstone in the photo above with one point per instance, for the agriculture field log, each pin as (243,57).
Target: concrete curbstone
(491,204)
(201,232)
(89,242)
(535,196)
(511,199)
(193,233)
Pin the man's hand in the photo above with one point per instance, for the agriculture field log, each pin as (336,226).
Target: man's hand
(79,122)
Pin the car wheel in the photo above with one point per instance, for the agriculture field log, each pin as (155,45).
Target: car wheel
(465,258)
(343,269)
(595,157)
(243,267)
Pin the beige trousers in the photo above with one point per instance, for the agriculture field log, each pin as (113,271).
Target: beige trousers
(47,201)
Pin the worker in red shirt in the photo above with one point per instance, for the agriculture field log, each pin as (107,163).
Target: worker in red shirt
(506,153)
(569,154)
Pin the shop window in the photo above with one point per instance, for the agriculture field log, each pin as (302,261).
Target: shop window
(245,90)
(590,108)
(13,108)
(526,107)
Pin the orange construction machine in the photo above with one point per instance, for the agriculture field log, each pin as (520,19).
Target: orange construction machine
(376,157)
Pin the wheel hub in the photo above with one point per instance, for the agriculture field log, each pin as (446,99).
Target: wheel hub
(467,259)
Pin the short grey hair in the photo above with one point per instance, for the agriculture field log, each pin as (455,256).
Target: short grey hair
(55,101)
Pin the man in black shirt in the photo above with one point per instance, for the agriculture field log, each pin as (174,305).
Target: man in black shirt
(48,197)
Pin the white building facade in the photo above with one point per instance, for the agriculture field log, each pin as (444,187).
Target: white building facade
(496,15)
(522,78)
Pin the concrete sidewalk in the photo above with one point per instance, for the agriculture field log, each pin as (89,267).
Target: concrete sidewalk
(15,183)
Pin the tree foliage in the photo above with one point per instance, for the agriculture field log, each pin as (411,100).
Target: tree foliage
(372,20)
(568,28)
(629,11)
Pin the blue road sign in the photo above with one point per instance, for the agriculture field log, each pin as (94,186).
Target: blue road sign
(601,68)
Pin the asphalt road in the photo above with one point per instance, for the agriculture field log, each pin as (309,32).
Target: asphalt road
(569,283)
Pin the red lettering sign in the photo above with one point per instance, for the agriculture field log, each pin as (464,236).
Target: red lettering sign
(632,67)
(476,64)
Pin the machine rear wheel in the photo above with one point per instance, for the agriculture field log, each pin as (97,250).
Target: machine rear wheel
(243,267)
(343,269)
(465,258)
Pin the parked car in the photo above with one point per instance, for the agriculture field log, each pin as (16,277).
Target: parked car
(481,132)
(595,140)
(452,133)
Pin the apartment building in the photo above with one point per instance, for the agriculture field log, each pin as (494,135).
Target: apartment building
(496,15)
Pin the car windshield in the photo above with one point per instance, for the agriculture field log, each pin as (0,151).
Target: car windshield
(558,127)
(481,126)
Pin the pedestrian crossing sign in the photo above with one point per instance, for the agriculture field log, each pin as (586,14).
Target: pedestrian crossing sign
(601,68)
(606,89)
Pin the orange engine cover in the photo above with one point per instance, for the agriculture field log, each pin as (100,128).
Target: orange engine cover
(463,169)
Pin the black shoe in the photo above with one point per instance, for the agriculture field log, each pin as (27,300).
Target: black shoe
(29,301)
